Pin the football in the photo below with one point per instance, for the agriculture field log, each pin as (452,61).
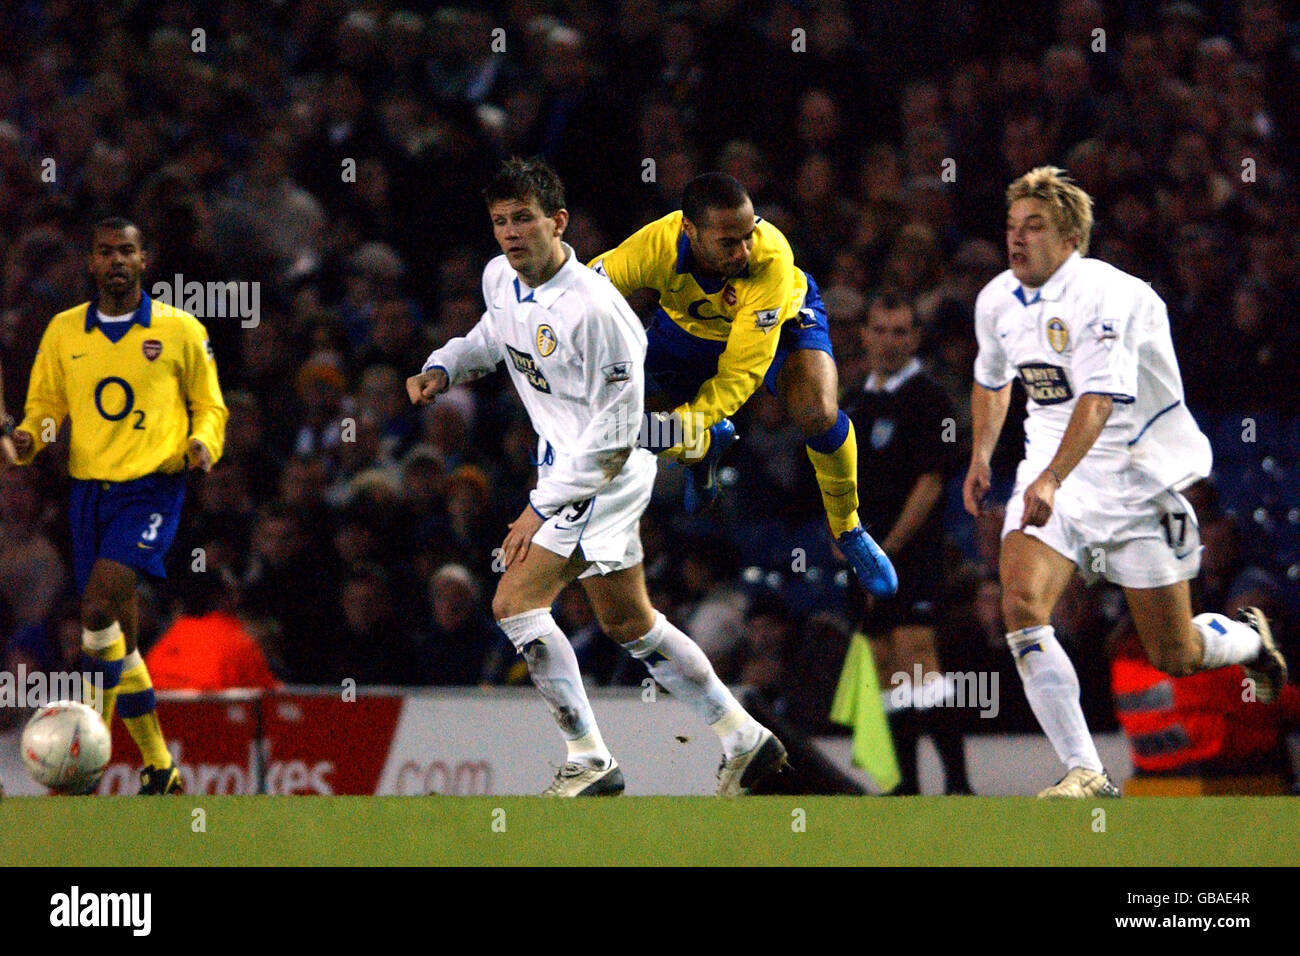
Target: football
(66,746)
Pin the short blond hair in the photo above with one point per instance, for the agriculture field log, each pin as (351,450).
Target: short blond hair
(1069,207)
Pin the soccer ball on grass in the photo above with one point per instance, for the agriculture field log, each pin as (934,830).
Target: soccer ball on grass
(66,746)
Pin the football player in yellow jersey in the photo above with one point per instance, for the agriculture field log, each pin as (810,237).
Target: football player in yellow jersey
(734,312)
(138,381)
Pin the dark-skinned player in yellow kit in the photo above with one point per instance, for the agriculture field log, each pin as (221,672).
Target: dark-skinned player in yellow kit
(137,379)
(735,313)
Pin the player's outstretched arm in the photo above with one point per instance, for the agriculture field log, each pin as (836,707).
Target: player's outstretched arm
(46,405)
(988,411)
(207,407)
(461,359)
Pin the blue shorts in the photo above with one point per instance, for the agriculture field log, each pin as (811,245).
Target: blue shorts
(130,522)
(677,363)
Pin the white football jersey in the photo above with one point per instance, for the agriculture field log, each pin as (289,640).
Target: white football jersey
(1092,328)
(576,354)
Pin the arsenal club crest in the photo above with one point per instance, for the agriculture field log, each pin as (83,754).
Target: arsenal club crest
(729,296)
(152,349)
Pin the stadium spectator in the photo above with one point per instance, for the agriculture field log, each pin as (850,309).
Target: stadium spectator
(281,591)
(32,571)
(206,647)
(375,645)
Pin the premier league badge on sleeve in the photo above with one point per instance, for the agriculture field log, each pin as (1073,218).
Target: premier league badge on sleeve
(618,372)
(1105,331)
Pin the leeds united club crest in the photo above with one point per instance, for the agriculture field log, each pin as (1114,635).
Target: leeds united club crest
(546,340)
(1057,336)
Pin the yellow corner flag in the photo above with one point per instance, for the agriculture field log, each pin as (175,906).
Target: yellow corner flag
(857,704)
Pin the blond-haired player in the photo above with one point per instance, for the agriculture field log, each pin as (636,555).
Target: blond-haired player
(1108,444)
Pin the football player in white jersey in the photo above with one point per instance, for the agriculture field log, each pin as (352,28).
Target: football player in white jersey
(1108,444)
(575,353)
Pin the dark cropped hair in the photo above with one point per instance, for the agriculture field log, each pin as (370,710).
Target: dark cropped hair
(711,191)
(524,180)
(116,223)
(890,300)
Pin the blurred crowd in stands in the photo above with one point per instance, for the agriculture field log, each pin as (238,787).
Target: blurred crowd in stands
(333,152)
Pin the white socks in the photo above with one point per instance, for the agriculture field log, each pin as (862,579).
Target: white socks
(1226,641)
(676,662)
(672,658)
(1052,687)
(554,670)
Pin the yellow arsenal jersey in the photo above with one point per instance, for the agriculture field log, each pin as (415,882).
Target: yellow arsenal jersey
(136,391)
(744,311)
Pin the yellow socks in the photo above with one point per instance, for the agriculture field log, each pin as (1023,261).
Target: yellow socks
(138,706)
(834,457)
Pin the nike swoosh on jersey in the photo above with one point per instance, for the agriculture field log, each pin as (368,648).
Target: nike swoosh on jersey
(147,547)
(82,355)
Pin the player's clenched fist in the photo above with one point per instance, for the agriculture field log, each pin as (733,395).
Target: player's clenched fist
(423,388)
(1040,498)
(976,486)
(199,456)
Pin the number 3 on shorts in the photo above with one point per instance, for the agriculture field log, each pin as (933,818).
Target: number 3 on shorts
(151,533)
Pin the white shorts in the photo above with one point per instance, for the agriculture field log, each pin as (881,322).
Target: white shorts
(607,527)
(1113,525)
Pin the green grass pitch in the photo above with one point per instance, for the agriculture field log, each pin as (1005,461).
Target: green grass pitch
(648,830)
(760,831)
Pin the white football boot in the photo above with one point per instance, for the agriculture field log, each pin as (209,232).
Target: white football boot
(1079,784)
(739,774)
(1268,670)
(576,780)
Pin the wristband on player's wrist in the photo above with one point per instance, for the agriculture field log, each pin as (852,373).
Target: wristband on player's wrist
(1052,471)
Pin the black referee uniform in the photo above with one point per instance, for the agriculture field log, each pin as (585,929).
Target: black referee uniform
(900,424)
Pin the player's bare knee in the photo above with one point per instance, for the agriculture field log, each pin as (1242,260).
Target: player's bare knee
(813,418)
(1020,609)
(96,614)
(505,603)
